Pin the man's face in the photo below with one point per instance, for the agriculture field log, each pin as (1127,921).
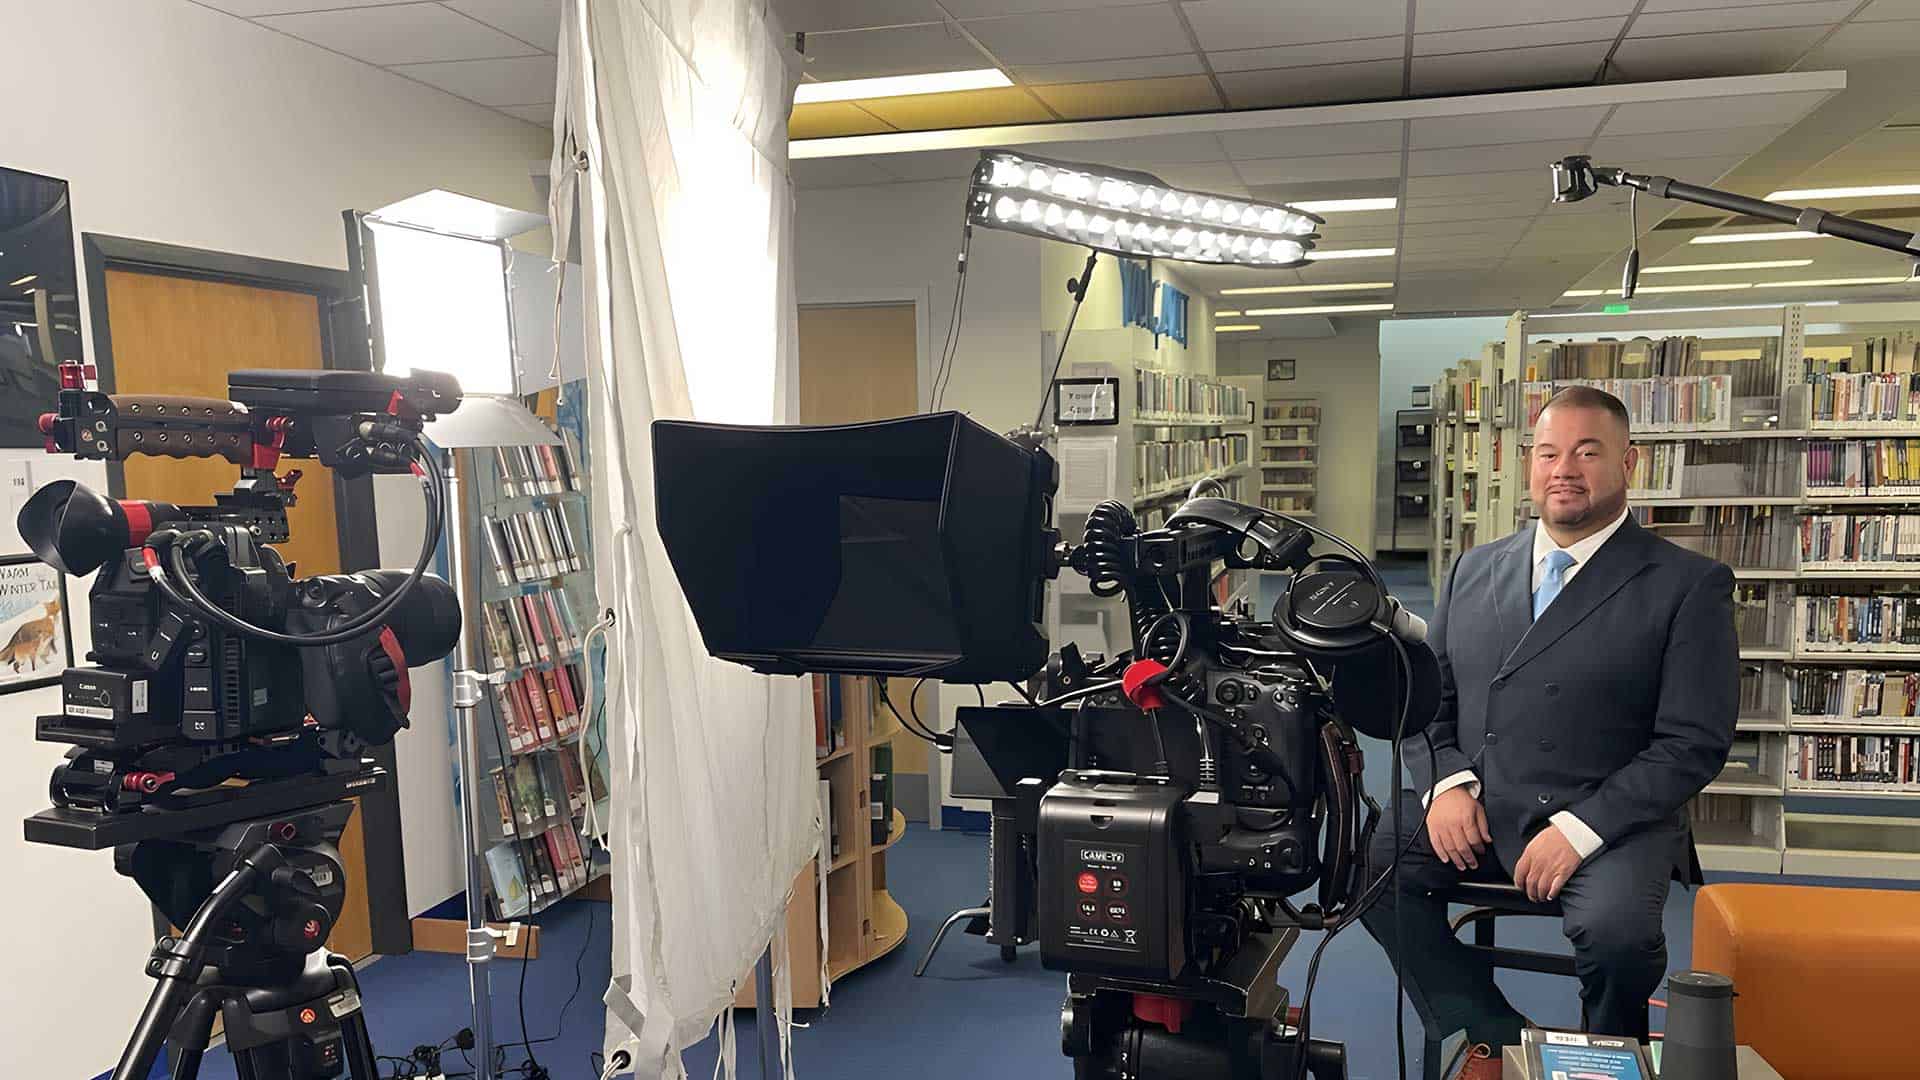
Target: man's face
(1580,462)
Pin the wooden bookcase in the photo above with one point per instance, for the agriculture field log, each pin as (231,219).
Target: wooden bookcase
(863,921)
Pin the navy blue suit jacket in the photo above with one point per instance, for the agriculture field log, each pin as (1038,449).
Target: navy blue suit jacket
(1618,705)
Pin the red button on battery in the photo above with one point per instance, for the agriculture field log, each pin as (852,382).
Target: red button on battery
(1089,884)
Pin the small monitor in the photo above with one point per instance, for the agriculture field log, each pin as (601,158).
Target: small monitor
(903,548)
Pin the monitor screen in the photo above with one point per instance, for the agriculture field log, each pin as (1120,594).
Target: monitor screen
(39,301)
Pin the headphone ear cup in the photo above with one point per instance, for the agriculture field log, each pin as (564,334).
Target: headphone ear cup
(1329,612)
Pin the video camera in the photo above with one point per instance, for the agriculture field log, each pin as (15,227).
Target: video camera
(1169,803)
(212,661)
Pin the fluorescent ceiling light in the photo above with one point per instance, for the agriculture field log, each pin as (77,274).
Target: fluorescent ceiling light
(1343,286)
(22,281)
(1722,286)
(1342,206)
(1761,264)
(1747,237)
(1224,314)
(1319,309)
(937,82)
(1351,253)
(1882,190)
(1236,328)
(1821,283)
(1676,310)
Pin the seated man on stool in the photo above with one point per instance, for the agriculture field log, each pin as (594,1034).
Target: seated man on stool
(1590,684)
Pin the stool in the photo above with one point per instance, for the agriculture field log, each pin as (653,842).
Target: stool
(1486,902)
(1824,976)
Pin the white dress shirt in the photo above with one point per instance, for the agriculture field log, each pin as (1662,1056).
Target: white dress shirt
(1584,840)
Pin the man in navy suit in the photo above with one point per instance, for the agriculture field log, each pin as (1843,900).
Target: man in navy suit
(1590,685)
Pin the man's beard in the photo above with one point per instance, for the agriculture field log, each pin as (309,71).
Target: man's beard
(1594,510)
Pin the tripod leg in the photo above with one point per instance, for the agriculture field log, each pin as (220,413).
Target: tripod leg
(191,1034)
(358,1044)
(957,917)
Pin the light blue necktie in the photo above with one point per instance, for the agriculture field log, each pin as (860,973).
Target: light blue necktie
(1556,576)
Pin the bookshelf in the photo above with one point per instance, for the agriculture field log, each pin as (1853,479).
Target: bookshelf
(1792,453)
(1456,464)
(528,507)
(1413,503)
(1290,455)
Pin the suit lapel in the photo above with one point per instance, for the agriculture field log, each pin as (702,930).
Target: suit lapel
(1513,589)
(1616,563)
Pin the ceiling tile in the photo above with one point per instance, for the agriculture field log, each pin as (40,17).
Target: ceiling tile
(1324,167)
(1513,157)
(1692,56)
(525,80)
(984,9)
(1253,24)
(1518,37)
(814,16)
(1468,14)
(401,34)
(1069,37)
(1131,97)
(1756,17)
(1144,67)
(1857,42)
(901,50)
(969,108)
(1333,52)
(1330,85)
(1505,229)
(250,8)
(838,172)
(536,22)
(1499,182)
(1216,178)
(1340,234)
(831,119)
(1370,138)
(1704,114)
(1478,210)
(930,165)
(1884,10)
(1147,151)
(1674,144)
(1488,128)
(532,114)
(1510,70)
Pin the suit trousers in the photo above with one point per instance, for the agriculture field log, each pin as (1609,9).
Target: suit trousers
(1612,905)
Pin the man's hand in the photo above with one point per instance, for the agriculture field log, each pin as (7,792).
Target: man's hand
(1546,865)
(1457,828)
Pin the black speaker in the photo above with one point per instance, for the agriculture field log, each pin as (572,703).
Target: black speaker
(902,548)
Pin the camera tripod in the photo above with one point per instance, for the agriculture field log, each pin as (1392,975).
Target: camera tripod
(258,898)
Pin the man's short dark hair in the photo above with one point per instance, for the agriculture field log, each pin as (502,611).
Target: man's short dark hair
(1587,397)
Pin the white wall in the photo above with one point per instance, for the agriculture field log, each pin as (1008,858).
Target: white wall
(177,123)
(1343,371)
(1416,352)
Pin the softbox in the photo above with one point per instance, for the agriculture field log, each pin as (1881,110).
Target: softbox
(908,547)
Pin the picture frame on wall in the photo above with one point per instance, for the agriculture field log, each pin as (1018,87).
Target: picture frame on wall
(36,640)
(1280,370)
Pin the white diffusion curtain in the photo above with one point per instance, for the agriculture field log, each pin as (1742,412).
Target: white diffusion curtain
(672,127)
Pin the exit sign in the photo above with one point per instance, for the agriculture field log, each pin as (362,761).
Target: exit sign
(1616,309)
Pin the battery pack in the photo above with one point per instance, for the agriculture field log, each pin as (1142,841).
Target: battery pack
(1112,878)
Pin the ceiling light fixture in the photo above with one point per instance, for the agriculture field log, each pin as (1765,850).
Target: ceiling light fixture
(1719,286)
(1236,328)
(22,280)
(1823,283)
(937,82)
(1342,286)
(1224,314)
(1872,192)
(1675,310)
(1133,214)
(1319,309)
(1351,253)
(1345,206)
(1748,237)
(1695,268)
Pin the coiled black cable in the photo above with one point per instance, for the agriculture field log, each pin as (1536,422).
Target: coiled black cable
(1103,555)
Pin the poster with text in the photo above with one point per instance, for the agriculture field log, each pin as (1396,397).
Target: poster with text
(38,645)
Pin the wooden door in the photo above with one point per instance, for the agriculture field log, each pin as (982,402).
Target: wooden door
(177,335)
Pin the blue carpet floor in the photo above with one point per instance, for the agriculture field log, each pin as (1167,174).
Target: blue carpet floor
(970,1017)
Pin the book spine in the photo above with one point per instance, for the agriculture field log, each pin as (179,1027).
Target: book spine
(503,563)
(542,641)
(536,696)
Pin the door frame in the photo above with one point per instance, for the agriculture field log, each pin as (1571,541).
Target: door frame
(342,309)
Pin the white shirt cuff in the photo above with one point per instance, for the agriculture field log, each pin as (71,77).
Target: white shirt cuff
(1584,840)
(1463,778)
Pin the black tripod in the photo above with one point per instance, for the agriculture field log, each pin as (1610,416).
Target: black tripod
(258,899)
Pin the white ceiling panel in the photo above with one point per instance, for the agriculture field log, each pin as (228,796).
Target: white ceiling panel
(984,9)
(402,34)
(1069,37)
(813,16)
(1252,24)
(1705,114)
(932,165)
(1200,146)
(1500,183)
(1676,144)
(524,81)
(1508,229)
(536,22)
(1144,67)
(1337,233)
(1860,42)
(1332,52)
(1295,170)
(1375,138)
(903,50)
(1694,170)
(1755,17)
(1480,210)
(532,114)
(1466,14)
(1547,65)
(838,172)
(250,8)
(1329,85)
(1693,56)
(1218,178)
(1883,10)
(1489,128)
(1514,157)
(1495,38)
